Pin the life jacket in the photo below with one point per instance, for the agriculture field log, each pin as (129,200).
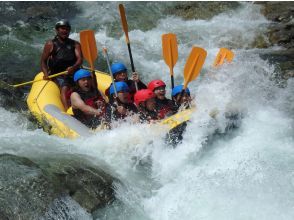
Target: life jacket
(62,56)
(113,114)
(146,115)
(165,107)
(89,98)
(132,86)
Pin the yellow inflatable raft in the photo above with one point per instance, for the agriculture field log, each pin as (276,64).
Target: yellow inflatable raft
(45,104)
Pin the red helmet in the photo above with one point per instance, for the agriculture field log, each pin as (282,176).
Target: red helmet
(155,84)
(143,95)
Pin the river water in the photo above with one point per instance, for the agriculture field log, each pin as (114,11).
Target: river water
(244,173)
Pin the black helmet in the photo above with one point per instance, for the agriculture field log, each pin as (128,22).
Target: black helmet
(61,23)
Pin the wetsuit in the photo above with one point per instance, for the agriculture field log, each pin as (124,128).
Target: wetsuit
(62,56)
(90,98)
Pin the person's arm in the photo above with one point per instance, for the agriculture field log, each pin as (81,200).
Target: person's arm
(78,103)
(44,58)
(79,61)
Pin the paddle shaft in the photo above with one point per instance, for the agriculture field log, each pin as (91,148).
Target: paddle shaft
(172,81)
(33,81)
(125,29)
(109,68)
(171,67)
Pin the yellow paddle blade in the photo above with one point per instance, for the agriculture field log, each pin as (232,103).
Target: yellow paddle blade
(170,50)
(194,64)
(223,54)
(89,48)
(124,21)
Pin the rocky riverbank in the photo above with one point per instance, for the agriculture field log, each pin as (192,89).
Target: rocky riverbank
(280,31)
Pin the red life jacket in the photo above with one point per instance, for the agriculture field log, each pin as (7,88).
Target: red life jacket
(89,98)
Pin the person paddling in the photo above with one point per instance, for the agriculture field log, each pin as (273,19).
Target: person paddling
(181,100)
(121,106)
(60,54)
(120,74)
(145,102)
(88,106)
(164,106)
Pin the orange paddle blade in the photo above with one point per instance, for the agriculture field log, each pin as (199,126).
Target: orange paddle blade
(194,64)
(89,48)
(170,50)
(223,54)
(124,21)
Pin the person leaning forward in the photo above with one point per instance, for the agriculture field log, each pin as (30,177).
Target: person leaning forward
(62,54)
(88,105)
(120,106)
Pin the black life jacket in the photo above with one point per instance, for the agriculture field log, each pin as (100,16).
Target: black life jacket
(113,114)
(165,107)
(62,56)
(89,98)
(132,86)
(146,115)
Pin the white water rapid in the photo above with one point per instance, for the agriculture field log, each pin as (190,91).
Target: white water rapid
(245,173)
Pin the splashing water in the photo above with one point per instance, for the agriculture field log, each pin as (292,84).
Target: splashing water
(246,173)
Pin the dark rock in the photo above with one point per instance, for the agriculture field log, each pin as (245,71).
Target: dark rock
(281,31)
(87,184)
(25,191)
(280,11)
(31,188)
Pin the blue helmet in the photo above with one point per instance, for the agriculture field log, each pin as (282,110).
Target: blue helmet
(120,87)
(81,73)
(118,67)
(178,89)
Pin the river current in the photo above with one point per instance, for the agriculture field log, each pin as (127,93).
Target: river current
(241,173)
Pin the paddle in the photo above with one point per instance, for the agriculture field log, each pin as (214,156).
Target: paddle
(109,68)
(33,81)
(193,66)
(89,50)
(223,54)
(125,29)
(170,53)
